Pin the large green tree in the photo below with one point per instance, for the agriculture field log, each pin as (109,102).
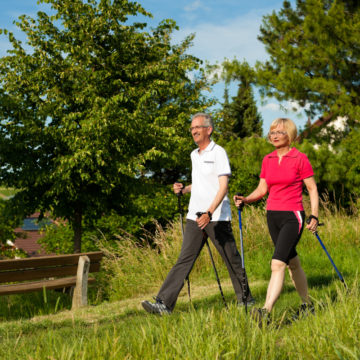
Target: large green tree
(94,110)
(314,52)
(240,117)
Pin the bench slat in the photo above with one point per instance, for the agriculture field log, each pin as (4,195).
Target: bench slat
(70,259)
(45,272)
(39,285)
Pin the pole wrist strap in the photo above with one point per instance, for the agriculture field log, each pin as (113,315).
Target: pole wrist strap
(313,217)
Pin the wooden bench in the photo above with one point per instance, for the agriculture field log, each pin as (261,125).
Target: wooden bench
(55,272)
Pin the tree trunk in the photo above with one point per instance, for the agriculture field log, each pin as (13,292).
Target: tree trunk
(77,226)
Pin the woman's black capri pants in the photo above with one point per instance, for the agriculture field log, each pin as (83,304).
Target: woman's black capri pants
(285,229)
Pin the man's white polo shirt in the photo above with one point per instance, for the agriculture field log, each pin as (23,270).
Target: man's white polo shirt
(206,169)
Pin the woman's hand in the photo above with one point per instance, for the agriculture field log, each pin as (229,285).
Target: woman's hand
(312,223)
(238,199)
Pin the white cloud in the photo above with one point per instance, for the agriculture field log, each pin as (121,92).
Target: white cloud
(271,107)
(286,107)
(294,106)
(197,4)
(216,73)
(235,38)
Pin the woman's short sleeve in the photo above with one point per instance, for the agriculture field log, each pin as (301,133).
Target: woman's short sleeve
(263,168)
(305,168)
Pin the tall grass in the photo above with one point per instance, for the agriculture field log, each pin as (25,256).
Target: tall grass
(203,328)
(134,269)
(209,332)
(140,269)
(26,306)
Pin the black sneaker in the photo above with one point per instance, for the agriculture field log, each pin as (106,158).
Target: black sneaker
(261,316)
(303,311)
(156,308)
(249,303)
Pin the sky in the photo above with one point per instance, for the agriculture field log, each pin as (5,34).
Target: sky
(223,29)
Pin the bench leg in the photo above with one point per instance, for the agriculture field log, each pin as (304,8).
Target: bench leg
(80,291)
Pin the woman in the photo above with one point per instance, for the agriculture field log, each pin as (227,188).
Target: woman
(283,173)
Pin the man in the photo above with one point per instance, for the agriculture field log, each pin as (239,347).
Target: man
(210,176)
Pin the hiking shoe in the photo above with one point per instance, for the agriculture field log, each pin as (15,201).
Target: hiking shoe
(303,311)
(249,303)
(261,316)
(158,307)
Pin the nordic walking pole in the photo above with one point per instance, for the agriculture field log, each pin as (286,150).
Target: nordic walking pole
(198,214)
(179,194)
(328,255)
(243,280)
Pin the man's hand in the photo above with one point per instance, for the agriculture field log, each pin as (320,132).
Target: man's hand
(178,188)
(202,220)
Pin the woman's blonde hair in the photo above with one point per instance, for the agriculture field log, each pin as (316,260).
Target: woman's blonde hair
(289,126)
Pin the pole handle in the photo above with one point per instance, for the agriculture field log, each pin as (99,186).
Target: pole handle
(241,206)
(308,220)
(180,193)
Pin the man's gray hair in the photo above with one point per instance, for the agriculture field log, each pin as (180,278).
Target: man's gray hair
(208,121)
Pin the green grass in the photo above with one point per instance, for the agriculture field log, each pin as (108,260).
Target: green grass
(204,330)
(35,326)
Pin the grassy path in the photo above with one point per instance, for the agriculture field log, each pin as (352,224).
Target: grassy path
(111,310)
(201,330)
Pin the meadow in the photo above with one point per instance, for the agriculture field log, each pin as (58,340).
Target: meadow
(114,326)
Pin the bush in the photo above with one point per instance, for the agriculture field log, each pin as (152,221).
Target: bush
(11,252)
(59,240)
(245,157)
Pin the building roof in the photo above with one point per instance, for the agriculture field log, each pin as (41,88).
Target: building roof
(30,243)
(29,234)
(321,121)
(32,224)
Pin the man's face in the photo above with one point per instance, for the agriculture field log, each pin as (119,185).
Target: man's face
(200,132)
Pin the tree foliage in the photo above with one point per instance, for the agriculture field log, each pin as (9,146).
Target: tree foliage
(314,51)
(94,111)
(330,172)
(350,154)
(7,224)
(245,157)
(337,168)
(240,116)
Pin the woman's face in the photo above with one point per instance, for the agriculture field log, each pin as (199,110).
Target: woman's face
(279,137)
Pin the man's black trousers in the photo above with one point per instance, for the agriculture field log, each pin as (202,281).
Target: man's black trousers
(221,235)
